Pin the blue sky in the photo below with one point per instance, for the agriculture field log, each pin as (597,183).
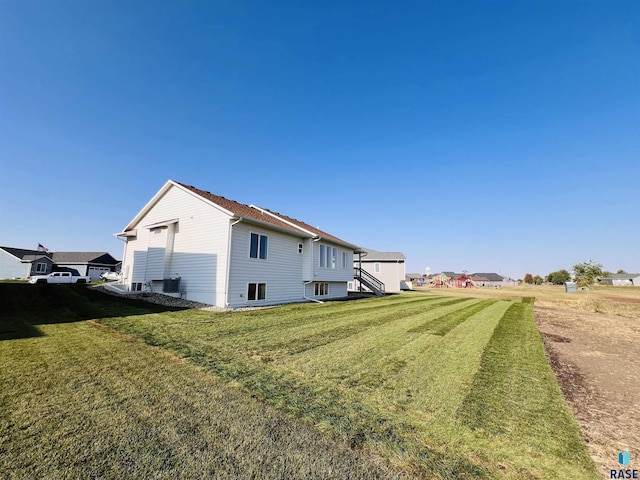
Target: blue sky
(481,135)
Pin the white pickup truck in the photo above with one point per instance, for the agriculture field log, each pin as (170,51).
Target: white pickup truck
(59,277)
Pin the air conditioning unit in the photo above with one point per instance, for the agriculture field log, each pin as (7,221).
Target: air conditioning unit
(171,285)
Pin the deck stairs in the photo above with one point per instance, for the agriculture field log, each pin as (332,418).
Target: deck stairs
(369,281)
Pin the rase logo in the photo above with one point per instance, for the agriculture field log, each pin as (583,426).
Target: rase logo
(624,459)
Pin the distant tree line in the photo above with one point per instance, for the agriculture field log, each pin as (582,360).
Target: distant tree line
(584,274)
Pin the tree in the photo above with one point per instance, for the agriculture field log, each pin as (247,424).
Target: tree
(559,277)
(528,278)
(537,280)
(586,273)
(621,271)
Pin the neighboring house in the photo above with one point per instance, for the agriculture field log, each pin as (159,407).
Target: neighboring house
(22,263)
(387,267)
(622,280)
(214,250)
(92,264)
(417,279)
(487,279)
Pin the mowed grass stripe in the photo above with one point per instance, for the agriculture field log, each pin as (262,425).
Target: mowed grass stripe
(348,357)
(405,413)
(85,402)
(440,376)
(339,327)
(291,322)
(447,322)
(515,398)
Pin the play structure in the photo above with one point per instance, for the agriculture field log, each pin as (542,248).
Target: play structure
(443,281)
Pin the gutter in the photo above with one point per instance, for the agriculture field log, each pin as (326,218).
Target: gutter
(304,291)
(226,283)
(313,274)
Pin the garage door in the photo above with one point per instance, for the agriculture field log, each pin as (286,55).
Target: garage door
(95,272)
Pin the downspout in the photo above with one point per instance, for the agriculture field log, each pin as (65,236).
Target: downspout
(304,286)
(226,283)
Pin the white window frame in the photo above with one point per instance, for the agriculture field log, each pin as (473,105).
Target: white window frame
(328,257)
(376,267)
(320,289)
(257,291)
(41,267)
(300,248)
(345,261)
(259,251)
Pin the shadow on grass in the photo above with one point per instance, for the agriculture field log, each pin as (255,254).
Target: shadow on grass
(24,306)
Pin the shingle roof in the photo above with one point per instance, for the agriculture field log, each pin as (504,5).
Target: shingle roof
(373,255)
(492,277)
(21,253)
(260,214)
(83,257)
(624,276)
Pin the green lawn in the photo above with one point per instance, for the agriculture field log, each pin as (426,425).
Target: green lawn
(435,387)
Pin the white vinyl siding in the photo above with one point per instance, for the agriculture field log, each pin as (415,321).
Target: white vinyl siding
(198,251)
(335,290)
(391,273)
(11,267)
(324,273)
(281,271)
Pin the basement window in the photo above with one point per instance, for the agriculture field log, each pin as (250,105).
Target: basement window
(257,291)
(321,289)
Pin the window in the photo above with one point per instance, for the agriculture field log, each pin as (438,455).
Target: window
(328,256)
(258,248)
(299,248)
(136,287)
(41,268)
(321,289)
(257,291)
(345,259)
(376,267)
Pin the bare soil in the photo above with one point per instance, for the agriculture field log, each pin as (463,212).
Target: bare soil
(596,358)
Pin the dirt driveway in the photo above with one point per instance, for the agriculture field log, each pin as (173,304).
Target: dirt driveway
(596,358)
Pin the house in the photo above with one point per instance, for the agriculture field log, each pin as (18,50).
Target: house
(92,264)
(417,279)
(207,248)
(488,279)
(622,280)
(387,267)
(22,263)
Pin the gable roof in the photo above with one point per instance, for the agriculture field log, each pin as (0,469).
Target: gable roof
(492,277)
(25,254)
(249,212)
(84,257)
(374,255)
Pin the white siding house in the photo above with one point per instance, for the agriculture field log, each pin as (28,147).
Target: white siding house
(229,254)
(21,263)
(387,267)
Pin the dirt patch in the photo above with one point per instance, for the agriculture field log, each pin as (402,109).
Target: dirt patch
(623,299)
(596,358)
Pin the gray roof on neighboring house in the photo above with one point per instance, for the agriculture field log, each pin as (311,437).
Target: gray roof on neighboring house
(25,254)
(84,257)
(492,277)
(624,276)
(374,255)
